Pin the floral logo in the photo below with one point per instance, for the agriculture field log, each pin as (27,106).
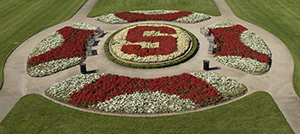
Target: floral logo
(146,43)
(167,44)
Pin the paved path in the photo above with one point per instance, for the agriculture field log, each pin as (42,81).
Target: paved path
(277,82)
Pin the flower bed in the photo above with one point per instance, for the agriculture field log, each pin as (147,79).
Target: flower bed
(167,44)
(240,48)
(149,43)
(113,93)
(166,15)
(63,49)
(226,86)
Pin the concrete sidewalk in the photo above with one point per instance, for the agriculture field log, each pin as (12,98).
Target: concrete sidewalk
(277,82)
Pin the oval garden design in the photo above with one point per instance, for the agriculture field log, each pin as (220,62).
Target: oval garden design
(149,46)
(120,94)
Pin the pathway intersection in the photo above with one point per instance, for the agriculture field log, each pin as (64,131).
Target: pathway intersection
(277,82)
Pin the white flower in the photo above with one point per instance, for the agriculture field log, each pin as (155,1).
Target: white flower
(145,102)
(193,18)
(81,25)
(64,89)
(245,64)
(221,24)
(225,85)
(254,42)
(53,66)
(50,42)
(111,18)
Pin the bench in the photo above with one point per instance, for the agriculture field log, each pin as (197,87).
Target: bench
(88,50)
(211,48)
(211,39)
(98,32)
(90,39)
(204,31)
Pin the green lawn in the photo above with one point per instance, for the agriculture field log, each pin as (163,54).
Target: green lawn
(256,113)
(21,19)
(112,6)
(279,17)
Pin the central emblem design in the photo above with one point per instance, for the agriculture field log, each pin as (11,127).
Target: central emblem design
(150,43)
(167,44)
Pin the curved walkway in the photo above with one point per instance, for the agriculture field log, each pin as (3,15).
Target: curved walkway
(277,82)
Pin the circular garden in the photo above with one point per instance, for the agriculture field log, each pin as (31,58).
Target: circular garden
(149,45)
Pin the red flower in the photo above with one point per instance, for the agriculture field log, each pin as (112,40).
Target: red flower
(167,44)
(229,44)
(109,86)
(131,17)
(73,46)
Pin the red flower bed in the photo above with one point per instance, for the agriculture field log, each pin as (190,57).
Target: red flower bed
(131,17)
(229,44)
(109,86)
(167,44)
(73,46)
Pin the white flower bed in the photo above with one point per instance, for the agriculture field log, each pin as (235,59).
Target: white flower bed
(221,24)
(53,66)
(192,18)
(183,42)
(254,42)
(64,89)
(226,86)
(50,42)
(245,64)
(82,25)
(145,102)
(111,18)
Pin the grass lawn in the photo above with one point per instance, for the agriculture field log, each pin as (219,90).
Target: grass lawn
(256,113)
(21,19)
(113,6)
(279,17)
